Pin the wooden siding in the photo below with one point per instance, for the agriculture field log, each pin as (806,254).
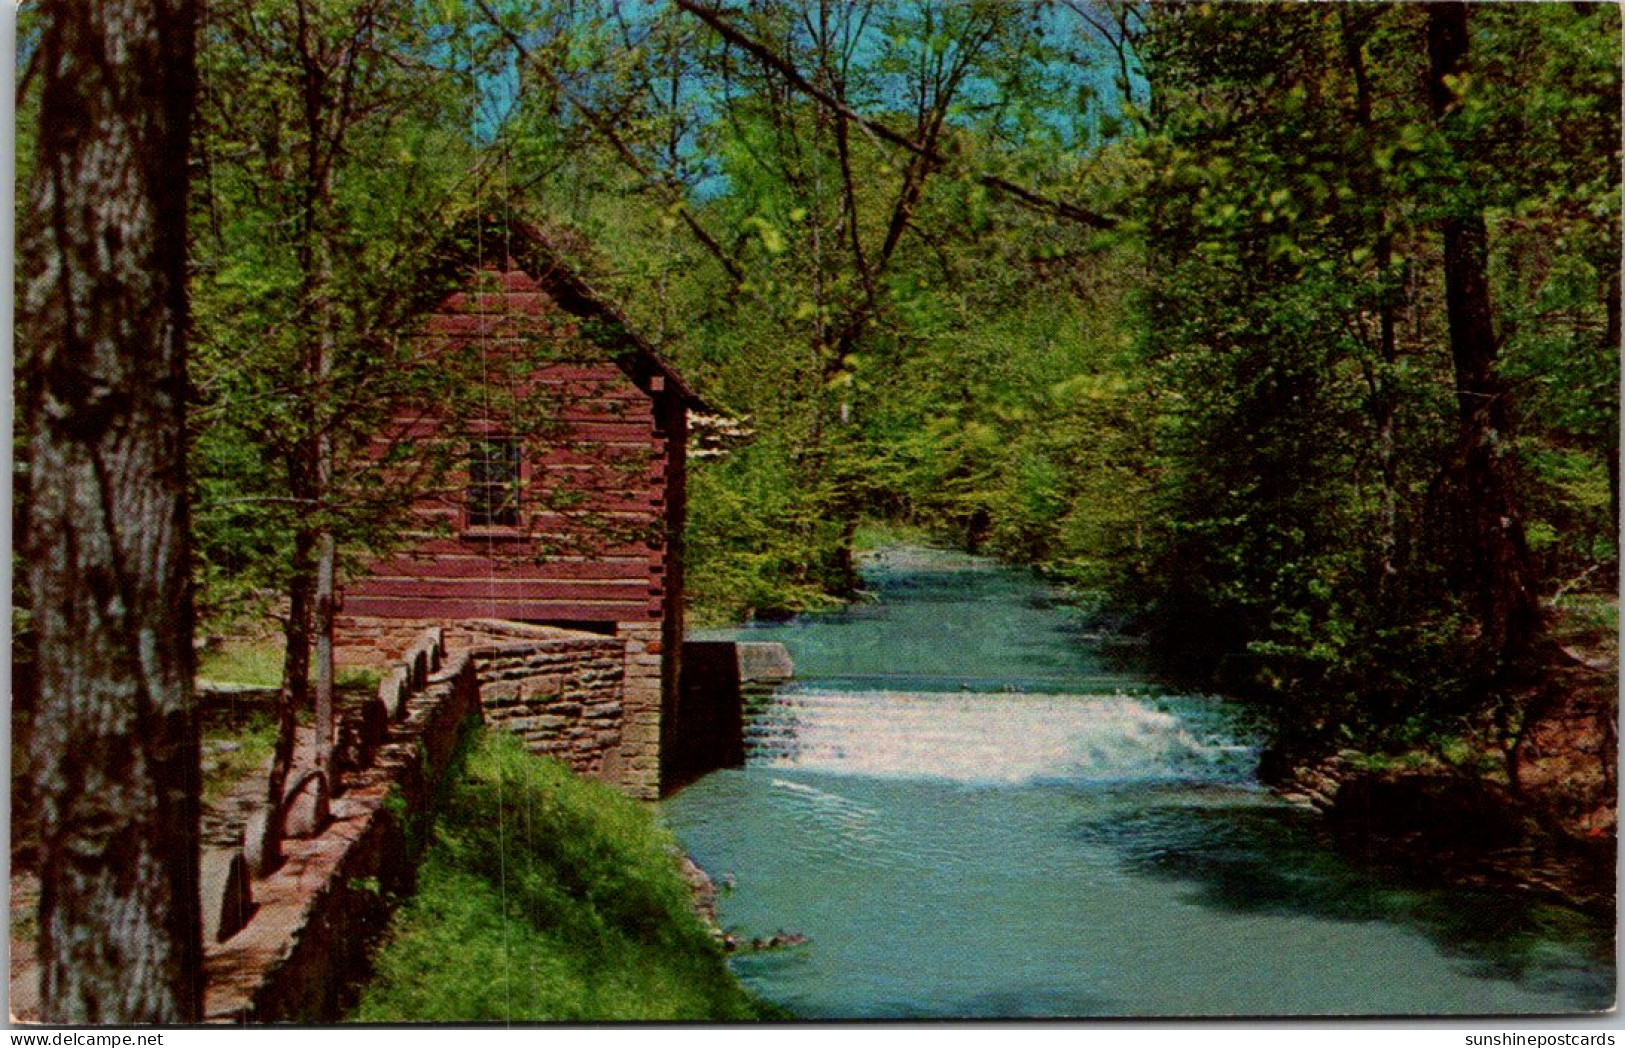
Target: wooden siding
(539,611)
(598,474)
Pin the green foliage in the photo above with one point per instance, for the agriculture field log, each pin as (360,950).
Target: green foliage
(752,538)
(1233,421)
(545,897)
(336,156)
(849,284)
(1230,420)
(1302,520)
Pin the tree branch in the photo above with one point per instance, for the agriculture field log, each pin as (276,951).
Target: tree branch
(765,55)
(607,131)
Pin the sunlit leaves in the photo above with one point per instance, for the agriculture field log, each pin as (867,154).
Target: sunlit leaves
(1293,202)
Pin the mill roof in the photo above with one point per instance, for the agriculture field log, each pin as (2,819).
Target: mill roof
(562,262)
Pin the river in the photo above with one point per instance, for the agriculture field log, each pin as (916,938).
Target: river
(972,811)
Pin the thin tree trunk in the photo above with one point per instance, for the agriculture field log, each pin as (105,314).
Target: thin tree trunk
(294,694)
(1382,397)
(326,556)
(1498,560)
(115,747)
(326,548)
(316,261)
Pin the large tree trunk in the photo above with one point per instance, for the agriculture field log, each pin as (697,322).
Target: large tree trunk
(1498,562)
(115,747)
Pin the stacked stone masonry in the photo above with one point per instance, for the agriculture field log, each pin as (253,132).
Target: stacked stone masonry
(591,700)
(640,754)
(562,697)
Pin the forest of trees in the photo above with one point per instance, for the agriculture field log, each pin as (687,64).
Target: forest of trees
(1287,335)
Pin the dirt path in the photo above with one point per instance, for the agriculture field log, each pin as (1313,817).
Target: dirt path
(222,828)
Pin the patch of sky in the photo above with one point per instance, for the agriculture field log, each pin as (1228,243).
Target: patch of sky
(1071,91)
(497,100)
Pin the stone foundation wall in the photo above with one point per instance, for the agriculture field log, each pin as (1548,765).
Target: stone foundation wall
(562,696)
(373,643)
(639,758)
(565,699)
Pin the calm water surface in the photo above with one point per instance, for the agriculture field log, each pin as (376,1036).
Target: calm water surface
(973,813)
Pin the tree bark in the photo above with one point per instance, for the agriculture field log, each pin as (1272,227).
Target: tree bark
(294,694)
(1497,562)
(104,313)
(315,258)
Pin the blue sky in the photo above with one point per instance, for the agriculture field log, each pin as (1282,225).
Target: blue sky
(1088,71)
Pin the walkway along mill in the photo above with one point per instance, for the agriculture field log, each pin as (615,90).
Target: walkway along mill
(565,509)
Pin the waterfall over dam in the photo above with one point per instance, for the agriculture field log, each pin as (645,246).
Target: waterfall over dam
(979,737)
(974,809)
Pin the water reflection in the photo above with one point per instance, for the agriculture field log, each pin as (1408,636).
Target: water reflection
(1284,861)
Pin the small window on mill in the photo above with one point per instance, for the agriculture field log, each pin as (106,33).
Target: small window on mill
(493,483)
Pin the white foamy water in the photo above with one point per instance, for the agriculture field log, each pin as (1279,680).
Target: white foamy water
(973,811)
(1004,738)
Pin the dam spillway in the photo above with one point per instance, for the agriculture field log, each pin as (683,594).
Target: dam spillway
(972,809)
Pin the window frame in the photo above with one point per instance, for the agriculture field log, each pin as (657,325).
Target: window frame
(492,496)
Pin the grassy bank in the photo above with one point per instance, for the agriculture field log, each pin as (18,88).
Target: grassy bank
(544,897)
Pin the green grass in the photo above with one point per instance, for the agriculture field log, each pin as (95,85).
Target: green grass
(358,677)
(1588,612)
(545,897)
(253,738)
(258,663)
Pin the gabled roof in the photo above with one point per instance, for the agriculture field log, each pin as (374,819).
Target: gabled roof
(557,258)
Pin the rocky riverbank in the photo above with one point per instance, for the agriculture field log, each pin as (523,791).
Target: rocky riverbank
(1543,818)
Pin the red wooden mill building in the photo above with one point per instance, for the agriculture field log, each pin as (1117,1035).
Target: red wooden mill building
(566,506)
